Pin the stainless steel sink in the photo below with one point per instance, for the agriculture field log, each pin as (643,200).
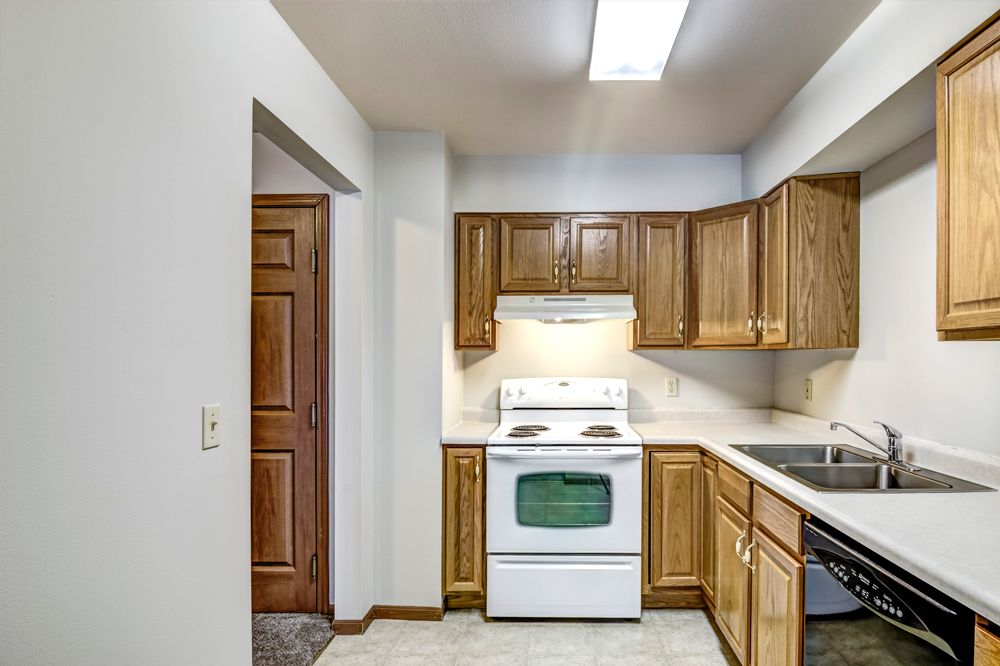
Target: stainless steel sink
(846,469)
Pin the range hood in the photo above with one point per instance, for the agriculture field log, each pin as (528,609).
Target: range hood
(565,309)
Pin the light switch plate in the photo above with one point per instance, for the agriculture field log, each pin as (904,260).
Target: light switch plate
(210,426)
(670,386)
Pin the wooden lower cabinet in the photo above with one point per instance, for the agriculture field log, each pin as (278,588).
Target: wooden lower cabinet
(732,585)
(777,608)
(709,490)
(675,519)
(464,557)
(987,644)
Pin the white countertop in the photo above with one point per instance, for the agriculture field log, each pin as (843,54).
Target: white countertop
(949,540)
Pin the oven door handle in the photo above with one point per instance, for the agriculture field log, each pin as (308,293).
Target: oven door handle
(549,454)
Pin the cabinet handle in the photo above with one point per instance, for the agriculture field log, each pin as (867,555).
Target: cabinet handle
(555,272)
(750,323)
(680,324)
(477,470)
(761,320)
(486,325)
(739,547)
(573,271)
(748,557)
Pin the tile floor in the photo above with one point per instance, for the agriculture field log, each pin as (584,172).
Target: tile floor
(677,636)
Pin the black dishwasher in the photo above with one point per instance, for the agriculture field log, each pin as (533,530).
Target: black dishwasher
(902,620)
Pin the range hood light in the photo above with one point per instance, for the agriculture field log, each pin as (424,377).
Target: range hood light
(565,309)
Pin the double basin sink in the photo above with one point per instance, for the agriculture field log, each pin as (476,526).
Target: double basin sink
(846,469)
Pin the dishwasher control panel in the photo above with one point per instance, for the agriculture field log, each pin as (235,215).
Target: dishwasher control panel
(867,589)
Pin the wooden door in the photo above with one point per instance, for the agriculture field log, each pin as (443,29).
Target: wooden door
(284,411)
(600,253)
(660,296)
(968,191)
(531,254)
(474,283)
(772,320)
(724,276)
(675,519)
(778,609)
(732,585)
(709,490)
(464,537)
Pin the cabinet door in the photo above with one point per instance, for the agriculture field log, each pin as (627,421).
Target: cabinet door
(600,253)
(968,138)
(530,254)
(732,585)
(772,320)
(675,519)
(661,287)
(724,276)
(474,283)
(709,490)
(778,610)
(464,552)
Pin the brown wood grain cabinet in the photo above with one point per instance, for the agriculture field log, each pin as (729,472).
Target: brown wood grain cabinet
(464,558)
(661,286)
(675,519)
(723,291)
(777,610)
(709,491)
(968,188)
(773,283)
(531,254)
(475,282)
(732,585)
(600,252)
(987,644)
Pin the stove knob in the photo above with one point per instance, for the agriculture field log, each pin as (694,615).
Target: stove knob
(508,393)
(520,392)
(607,390)
(620,392)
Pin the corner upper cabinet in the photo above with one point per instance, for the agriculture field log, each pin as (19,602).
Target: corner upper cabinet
(661,282)
(723,300)
(773,283)
(475,282)
(531,254)
(600,253)
(968,189)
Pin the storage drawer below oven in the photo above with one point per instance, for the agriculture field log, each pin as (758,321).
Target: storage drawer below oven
(592,586)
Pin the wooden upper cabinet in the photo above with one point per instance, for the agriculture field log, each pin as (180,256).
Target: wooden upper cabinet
(675,519)
(531,254)
(968,189)
(464,504)
(773,284)
(723,300)
(600,251)
(660,288)
(777,609)
(475,283)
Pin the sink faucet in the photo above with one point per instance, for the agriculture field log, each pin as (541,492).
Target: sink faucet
(894,452)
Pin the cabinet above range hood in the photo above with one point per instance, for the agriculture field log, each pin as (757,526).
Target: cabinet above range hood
(565,309)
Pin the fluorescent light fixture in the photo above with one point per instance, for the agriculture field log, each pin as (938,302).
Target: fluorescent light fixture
(633,38)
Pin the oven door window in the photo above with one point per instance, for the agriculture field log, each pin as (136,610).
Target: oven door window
(564,499)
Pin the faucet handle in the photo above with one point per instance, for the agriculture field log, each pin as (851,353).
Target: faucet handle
(890,432)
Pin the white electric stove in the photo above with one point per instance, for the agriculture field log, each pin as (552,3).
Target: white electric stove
(563,501)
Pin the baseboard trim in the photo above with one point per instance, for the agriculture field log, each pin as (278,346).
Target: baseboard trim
(683,597)
(386,612)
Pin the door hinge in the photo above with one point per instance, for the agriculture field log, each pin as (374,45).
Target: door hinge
(313,416)
(315,567)
(314,257)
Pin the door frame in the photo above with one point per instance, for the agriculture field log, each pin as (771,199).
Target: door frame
(321,205)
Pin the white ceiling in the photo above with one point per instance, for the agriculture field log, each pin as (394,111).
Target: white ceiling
(510,76)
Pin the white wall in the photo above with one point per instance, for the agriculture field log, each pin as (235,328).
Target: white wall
(940,391)
(897,41)
(606,183)
(412,225)
(125,141)
(275,172)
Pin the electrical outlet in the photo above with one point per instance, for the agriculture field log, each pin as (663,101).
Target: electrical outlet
(211,416)
(670,385)
(809,390)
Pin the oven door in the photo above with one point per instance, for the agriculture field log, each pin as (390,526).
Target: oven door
(564,499)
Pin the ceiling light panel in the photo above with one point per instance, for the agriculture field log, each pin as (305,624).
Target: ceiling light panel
(633,38)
